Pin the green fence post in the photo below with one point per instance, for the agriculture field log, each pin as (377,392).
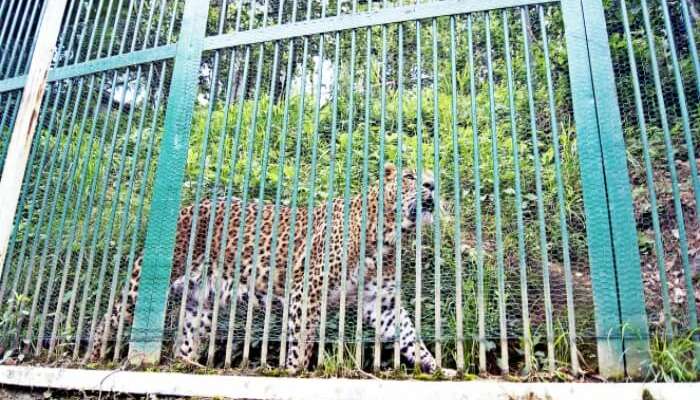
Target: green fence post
(600,253)
(147,331)
(613,247)
(633,316)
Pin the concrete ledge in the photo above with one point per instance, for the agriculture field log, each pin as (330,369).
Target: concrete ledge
(297,388)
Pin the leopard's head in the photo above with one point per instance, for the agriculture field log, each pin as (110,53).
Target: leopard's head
(412,195)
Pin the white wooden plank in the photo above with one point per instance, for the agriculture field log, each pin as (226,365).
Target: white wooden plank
(178,384)
(28,113)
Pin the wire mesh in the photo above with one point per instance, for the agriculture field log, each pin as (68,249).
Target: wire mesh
(292,124)
(97,29)
(9,105)
(20,20)
(499,282)
(656,67)
(81,216)
(231,16)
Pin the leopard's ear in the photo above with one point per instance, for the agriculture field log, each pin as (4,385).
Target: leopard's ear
(389,171)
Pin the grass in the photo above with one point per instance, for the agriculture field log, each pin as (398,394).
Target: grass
(673,359)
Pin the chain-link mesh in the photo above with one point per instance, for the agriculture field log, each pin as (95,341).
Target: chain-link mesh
(482,100)
(656,68)
(272,114)
(82,211)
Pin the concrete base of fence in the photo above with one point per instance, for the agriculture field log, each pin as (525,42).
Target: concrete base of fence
(179,384)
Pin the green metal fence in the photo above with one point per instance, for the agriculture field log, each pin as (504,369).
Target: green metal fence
(563,216)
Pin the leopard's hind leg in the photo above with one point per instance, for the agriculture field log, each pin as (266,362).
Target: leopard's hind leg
(197,324)
(110,322)
(301,346)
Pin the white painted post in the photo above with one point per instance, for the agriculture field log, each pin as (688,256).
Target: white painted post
(28,113)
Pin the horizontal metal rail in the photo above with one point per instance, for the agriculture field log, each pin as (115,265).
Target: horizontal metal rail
(99,65)
(362,20)
(299,29)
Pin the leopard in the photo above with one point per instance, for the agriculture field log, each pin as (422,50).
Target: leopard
(371,231)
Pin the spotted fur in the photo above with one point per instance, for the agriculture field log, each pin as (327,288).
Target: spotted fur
(203,288)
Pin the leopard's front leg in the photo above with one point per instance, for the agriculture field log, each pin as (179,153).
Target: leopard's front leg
(412,349)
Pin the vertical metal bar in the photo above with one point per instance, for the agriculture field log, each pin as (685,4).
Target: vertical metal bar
(537,161)
(4,13)
(600,254)
(310,223)
(560,199)
(147,331)
(93,33)
(104,31)
(346,196)
(194,223)
(252,278)
(258,222)
(100,203)
(380,209)
(551,362)
(649,170)
(278,199)
(7,19)
(34,42)
(688,24)
(214,201)
(437,233)
(329,201)
(522,263)
(359,337)
(399,200)
(82,34)
(481,317)
(419,185)
(17,39)
(503,361)
(456,165)
(236,275)
(139,213)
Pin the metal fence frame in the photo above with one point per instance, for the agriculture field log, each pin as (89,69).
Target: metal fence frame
(620,315)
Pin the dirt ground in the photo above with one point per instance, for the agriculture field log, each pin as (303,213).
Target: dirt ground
(21,393)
